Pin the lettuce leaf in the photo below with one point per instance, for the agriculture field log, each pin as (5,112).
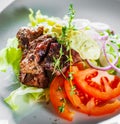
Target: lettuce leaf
(28,94)
(38,18)
(10,56)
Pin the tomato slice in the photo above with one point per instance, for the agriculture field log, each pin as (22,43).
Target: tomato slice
(89,105)
(75,98)
(98,84)
(89,92)
(79,65)
(103,108)
(58,98)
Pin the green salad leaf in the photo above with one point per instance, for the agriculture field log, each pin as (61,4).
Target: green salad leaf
(10,56)
(38,18)
(28,94)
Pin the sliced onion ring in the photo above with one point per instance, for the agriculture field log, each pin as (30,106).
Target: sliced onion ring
(104,37)
(116,50)
(111,65)
(81,23)
(98,67)
(100,27)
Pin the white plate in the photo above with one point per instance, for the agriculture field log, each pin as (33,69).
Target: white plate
(15,16)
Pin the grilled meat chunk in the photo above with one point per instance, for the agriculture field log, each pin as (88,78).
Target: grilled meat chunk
(37,63)
(42,48)
(26,35)
(54,52)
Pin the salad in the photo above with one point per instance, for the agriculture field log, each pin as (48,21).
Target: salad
(69,62)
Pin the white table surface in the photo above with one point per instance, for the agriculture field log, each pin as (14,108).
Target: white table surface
(114,120)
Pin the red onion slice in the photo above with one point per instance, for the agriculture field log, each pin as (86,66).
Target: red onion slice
(111,65)
(116,50)
(81,23)
(100,27)
(104,37)
(97,67)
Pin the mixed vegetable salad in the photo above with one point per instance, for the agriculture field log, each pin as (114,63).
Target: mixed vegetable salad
(91,86)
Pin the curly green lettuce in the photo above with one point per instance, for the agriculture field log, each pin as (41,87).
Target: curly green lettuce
(28,94)
(10,56)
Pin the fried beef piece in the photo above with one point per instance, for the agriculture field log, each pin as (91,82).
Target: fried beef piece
(31,72)
(26,35)
(39,51)
(35,80)
(42,48)
(48,62)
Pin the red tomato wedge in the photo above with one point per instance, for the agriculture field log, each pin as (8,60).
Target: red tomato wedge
(90,91)
(75,98)
(103,108)
(89,105)
(79,65)
(58,98)
(98,84)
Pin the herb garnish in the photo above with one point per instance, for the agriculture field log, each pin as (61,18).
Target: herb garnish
(57,64)
(64,40)
(62,107)
(71,16)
